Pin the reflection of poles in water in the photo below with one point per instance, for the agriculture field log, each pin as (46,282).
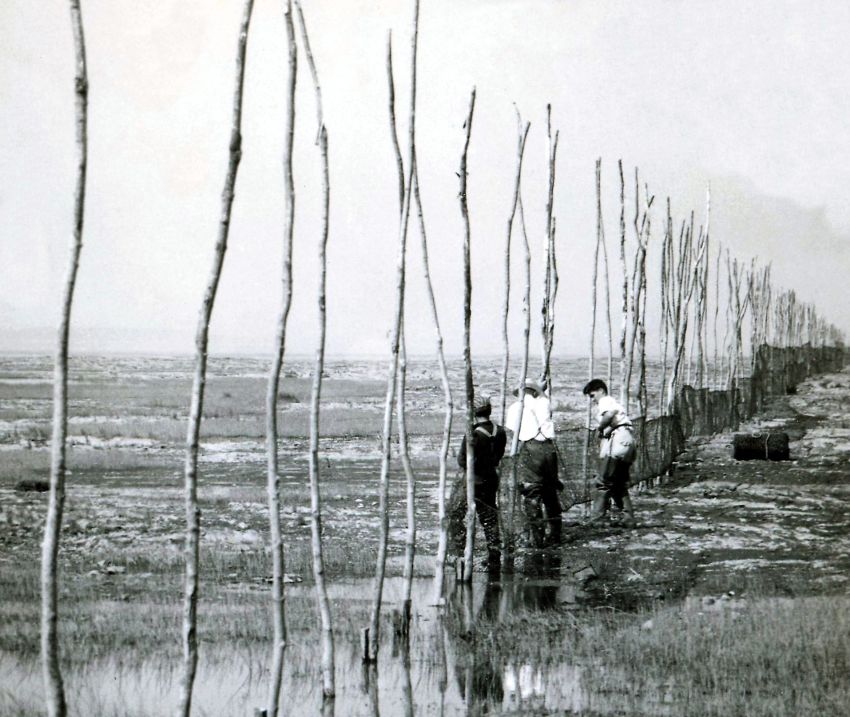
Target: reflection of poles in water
(369,687)
(406,684)
(443,678)
(524,687)
(478,680)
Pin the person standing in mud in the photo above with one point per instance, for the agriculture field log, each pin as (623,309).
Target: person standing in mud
(537,456)
(488,447)
(616,453)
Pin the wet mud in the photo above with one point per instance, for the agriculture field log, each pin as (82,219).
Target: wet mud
(717,526)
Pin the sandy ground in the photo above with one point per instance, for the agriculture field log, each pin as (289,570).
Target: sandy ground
(718,528)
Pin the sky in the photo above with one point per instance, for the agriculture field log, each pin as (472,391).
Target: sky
(749,98)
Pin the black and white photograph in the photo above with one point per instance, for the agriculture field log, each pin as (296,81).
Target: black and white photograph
(424,357)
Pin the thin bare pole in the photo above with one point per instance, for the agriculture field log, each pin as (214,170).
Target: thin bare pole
(443,523)
(523,135)
(592,353)
(441,500)
(703,301)
(467,351)
(690,260)
(550,340)
(410,489)
(641,226)
(641,313)
(601,230)
(549,274)
(373,635)
(193,515)
(526,312)
(508,535)
(624,388)
(665,309)
(442,538)
(716,371)
(273,385)
(52,673)
(404,446)
(328,681)
(442,520)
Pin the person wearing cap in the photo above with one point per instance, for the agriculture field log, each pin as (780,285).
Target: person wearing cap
(488,447)
(531,420)
(617,451)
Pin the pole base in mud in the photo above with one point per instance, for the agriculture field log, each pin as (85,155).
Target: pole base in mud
(364,644)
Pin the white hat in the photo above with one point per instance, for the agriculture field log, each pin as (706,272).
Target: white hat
(531,384)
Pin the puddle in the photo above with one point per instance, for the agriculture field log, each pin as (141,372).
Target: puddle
(445,672)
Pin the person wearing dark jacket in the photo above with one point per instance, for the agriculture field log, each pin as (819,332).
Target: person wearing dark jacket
(488,447)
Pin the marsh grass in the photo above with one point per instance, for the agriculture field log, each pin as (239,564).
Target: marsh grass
(761,657)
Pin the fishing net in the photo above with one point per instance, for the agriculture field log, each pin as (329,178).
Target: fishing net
(696,412)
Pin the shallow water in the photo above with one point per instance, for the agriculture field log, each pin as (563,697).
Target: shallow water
(445,672)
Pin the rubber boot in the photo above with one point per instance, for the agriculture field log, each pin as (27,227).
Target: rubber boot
(494,561)
(554,537)
(599,507)
(629,510)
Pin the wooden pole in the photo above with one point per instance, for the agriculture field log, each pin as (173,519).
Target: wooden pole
(410,538)
(716,372)
(278,605)
(442,520)
(550,273)
(523,135)
(585,457)
(467,351)
(526,311)
(624,387)
(606,275)
(641,313)
(193,514)
(509,491)
(664,332)
(688,266)
(52,674)
(323,603)
(395,341)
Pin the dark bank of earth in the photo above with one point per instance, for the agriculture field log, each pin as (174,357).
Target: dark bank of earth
(717,528)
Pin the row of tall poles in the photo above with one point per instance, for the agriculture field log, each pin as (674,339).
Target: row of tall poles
(684,284)
(754,310)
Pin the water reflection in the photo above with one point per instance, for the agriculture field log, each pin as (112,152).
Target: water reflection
(452,663)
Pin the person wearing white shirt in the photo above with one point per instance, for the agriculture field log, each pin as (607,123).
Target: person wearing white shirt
(617,451)
(531,420)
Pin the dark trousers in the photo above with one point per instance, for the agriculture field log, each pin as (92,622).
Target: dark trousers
(614,479)
(485,508)
(539,485)
(612,485)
